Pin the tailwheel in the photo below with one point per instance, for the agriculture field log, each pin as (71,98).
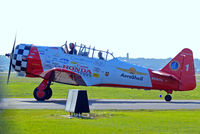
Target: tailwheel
(168,98)
(39,95)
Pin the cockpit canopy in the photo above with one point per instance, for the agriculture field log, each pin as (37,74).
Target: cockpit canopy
(83,50)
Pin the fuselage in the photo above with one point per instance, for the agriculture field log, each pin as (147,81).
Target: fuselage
(58,64)
(94,71)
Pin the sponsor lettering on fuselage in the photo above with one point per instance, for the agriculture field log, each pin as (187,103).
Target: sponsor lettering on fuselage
(41,52)
(157,79)
(134,77)
(63,60)
(132,70)
(82,70)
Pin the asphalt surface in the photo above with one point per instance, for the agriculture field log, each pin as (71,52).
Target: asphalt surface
(95,104)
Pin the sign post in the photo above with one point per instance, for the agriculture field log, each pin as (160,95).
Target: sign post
(77,102)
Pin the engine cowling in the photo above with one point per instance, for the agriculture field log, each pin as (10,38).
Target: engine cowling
(19,61)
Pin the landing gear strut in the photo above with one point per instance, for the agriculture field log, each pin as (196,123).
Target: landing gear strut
(43,91)
(168,98)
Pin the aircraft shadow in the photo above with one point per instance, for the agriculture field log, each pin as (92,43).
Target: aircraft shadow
(143,102)
(91,102)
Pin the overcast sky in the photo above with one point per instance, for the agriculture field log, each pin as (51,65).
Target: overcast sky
(143,28)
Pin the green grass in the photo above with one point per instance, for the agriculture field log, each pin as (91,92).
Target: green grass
(105,122)
(21,87)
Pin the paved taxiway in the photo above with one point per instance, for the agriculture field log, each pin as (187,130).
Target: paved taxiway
(95,104)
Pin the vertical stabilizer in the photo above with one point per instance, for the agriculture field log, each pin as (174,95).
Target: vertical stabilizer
(182,66)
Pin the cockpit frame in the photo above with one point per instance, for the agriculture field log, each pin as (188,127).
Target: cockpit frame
(83,50)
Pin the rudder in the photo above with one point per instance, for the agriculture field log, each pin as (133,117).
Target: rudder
(182,67)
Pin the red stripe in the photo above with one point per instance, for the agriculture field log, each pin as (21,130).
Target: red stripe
(34,65)
(136,87)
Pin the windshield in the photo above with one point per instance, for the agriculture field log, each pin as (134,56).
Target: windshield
(83,50)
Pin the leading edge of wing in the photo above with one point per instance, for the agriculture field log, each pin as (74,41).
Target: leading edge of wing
(64,76)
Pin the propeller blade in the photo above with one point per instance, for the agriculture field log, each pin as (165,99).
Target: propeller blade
(9,72)
(11,57)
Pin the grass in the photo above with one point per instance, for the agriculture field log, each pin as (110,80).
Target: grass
(105,122)
(21,87)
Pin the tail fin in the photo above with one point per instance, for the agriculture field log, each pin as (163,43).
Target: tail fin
(182,67)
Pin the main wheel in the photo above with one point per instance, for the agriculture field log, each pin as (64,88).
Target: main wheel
(168,98)
(49,93)
(40,96)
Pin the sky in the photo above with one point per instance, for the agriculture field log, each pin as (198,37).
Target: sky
(142,28)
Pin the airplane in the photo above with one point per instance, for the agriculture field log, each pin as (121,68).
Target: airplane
(84,68)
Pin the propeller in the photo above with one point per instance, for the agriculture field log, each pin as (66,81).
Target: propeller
(11,57)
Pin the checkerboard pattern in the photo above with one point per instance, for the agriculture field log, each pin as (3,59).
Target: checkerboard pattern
(19,61)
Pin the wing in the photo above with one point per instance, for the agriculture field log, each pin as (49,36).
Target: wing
(63,76)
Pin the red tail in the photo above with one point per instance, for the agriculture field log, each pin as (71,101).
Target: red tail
(182,66)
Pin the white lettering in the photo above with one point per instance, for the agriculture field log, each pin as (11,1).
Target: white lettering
(187,67)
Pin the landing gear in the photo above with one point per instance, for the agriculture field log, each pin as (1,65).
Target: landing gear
(49,93)
(42,95)
(43,91)
(168,98)
(39,95)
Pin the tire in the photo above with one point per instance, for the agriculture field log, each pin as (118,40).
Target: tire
(39,97)
(48,92)
(168,98)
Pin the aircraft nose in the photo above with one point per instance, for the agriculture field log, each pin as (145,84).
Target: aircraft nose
(19,61)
